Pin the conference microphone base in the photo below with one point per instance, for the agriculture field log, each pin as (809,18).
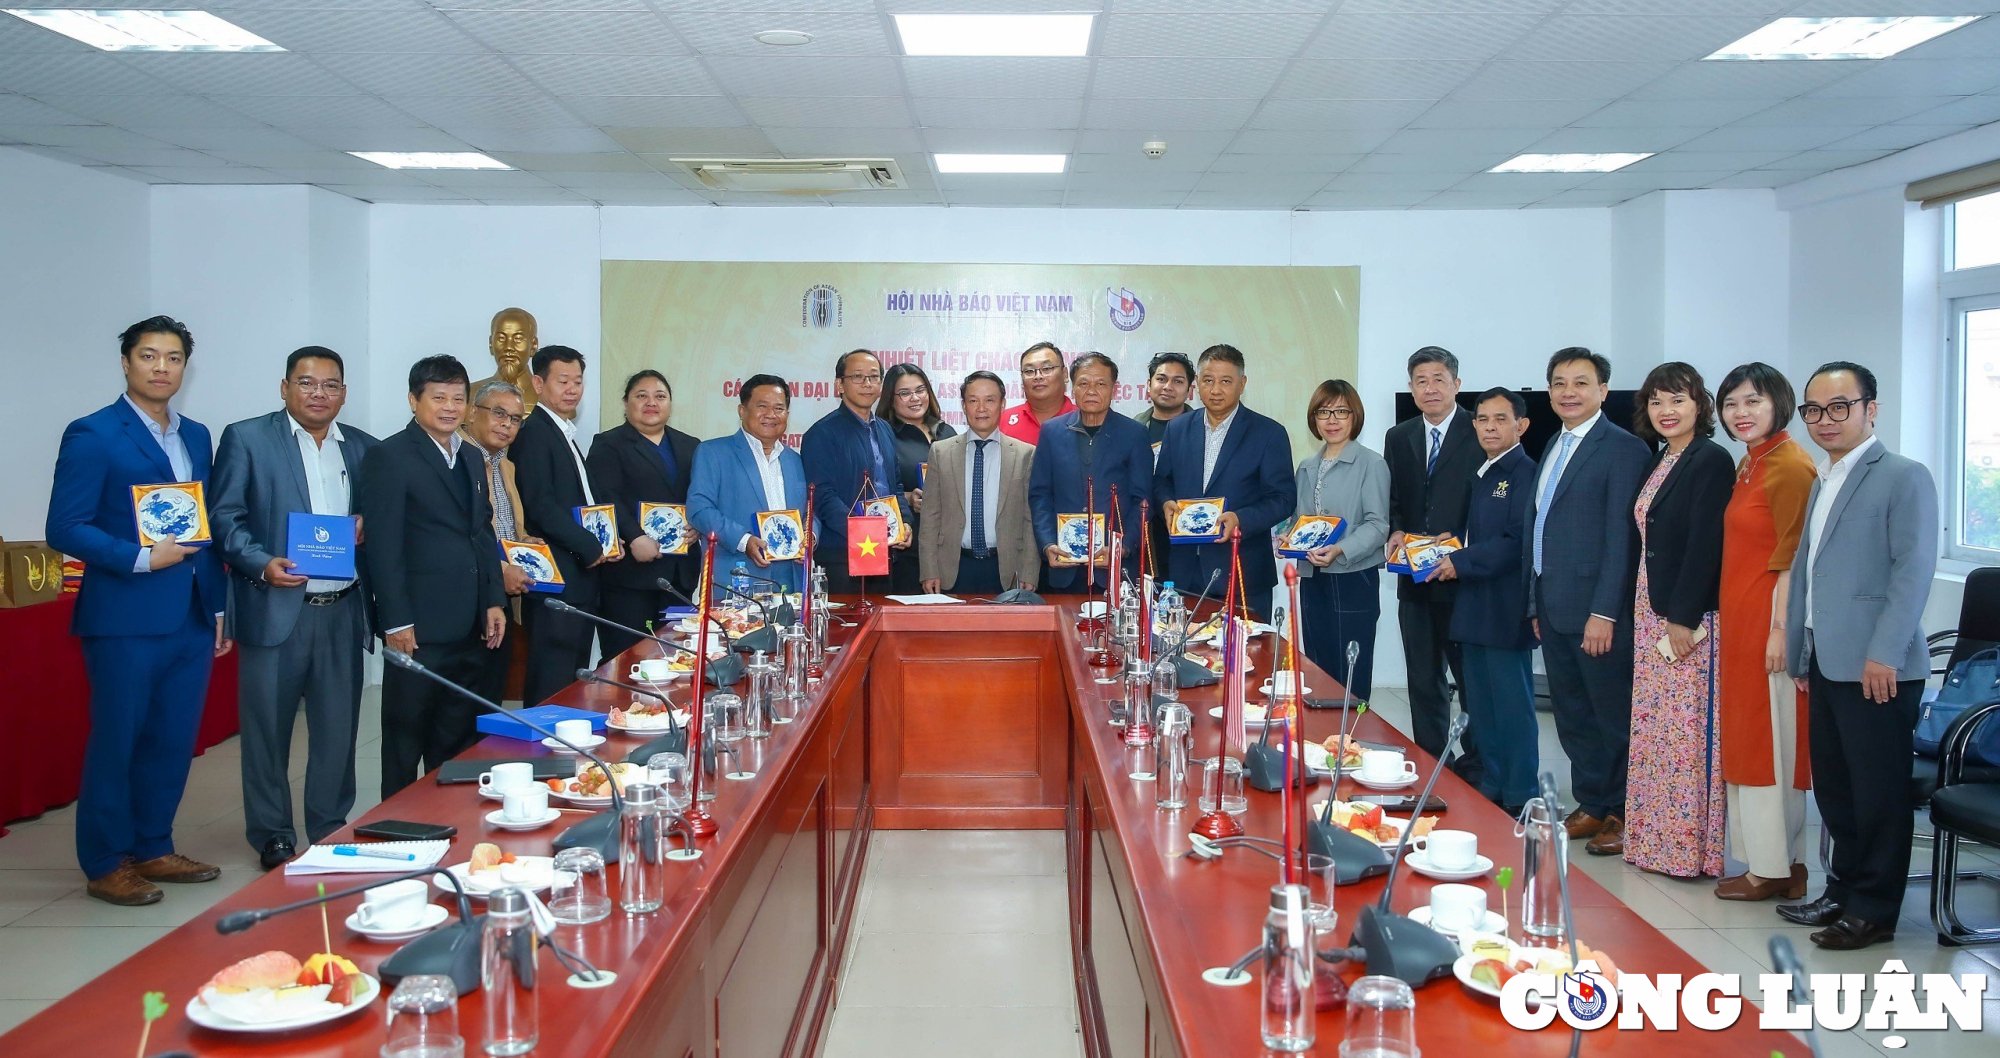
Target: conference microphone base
(1355,858)
(599,832)
(452,951)
(671,742)
(1189,673)
(1264,769)
(764,639)
(725,671)
(1401,947)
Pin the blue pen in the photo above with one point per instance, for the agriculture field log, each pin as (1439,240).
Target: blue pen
(363,850)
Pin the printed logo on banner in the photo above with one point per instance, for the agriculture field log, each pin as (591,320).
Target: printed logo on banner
(1127,312)
(820,307)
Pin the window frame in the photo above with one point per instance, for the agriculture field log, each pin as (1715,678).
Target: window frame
(1961,292)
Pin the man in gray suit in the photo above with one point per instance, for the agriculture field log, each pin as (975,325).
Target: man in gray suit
(1855,644)
(976,537)
(300,638)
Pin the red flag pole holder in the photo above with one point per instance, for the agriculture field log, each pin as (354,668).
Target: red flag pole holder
(700,823)
(1218,823)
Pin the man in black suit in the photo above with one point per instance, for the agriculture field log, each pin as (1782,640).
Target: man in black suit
(434,571)
(642,460)
(550,472)
(1581,552)
(1432,461)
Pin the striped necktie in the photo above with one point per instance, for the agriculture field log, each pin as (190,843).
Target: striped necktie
(1549,494)
(1437,439)
(979,497)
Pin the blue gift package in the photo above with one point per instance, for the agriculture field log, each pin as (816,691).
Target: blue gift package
(509,725)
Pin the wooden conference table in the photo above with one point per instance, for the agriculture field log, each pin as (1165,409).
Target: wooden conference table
(969,716)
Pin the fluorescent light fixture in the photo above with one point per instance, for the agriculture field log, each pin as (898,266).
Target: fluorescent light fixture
(148,30)
(1000,163)
(995,34)
(1840,38)
(430,159)
(1567,163)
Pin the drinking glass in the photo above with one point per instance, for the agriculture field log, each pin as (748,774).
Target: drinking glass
(1234,800)
(1381,1020)
(581,894)
(669,772)
(727,717)
(423,1019)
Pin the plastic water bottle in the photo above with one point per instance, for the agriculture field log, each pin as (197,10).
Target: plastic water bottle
(1290,1019)
(1173,615)
(507,975)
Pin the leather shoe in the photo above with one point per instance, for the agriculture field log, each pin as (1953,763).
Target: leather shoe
(1750,887)
(1822,912)
(125,888)
(1610,840)
(174,867)
(276,852)
(1581,824)
(1851,933)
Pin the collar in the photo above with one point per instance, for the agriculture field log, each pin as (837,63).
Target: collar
(1226,420)
(1847,462)
(173,417)
(489,456)
(974,435)
(1443,428)
(757,446)
(1346,453)
(866,423)
(567,426)
(451,452)
(1028,410)
(332,429)
(1777,438)
(1583,428)
(1498,458)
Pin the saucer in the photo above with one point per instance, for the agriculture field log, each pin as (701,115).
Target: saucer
(1407,780)
(588,743)
(433,917)
(1420,862)
(498,818)
(1494,922)
(1266,689)
(1253,715)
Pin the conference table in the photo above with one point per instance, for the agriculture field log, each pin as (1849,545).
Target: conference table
(966,716)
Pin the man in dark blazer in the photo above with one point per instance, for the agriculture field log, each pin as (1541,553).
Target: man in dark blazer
(627,468)
(301,638)
(1432,458)
(1581,554)
(1239,455)
(434,571)
(554,481)
(151,619)
(1855,643)
(1082,456)
(847,446)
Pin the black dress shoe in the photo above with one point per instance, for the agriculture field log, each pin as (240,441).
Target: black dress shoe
(1852,933)
(1822,912)
(276,852)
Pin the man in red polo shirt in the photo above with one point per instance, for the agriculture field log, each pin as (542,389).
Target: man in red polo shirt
(1042,382)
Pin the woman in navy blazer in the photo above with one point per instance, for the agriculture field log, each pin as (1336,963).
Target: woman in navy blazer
(726,490)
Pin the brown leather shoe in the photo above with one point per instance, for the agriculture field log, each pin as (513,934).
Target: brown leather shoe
(174,867)
(1581,824)
(1610,840)
(1751,887)
(1852,933)
(125,888)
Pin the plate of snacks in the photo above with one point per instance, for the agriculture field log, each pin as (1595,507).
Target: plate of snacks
(591,787)
(274,992)
(644,716)
(1485,970)
(1369,821)
(490,869)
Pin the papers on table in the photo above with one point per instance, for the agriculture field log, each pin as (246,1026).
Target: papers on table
(925,600)
(372,857)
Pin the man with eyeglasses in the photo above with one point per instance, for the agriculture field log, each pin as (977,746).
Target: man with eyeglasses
(302,637)
(498,409)
(1855,644)
(1042,388)
(1084,454)
(847,447)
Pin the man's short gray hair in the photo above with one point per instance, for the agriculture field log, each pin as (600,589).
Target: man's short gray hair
(492,386)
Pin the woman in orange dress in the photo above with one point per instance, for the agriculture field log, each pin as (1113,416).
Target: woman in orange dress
(1765,767)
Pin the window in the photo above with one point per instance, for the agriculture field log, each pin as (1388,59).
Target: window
(1975,232)
(1971,287)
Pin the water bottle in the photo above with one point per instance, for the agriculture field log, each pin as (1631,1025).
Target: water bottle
(1139,708)
(1545,849)
(1290,1016)
(1173,616)
(507,974)
(764,692)
(1166,680)
(642,874)
(1171,738)
(793,641)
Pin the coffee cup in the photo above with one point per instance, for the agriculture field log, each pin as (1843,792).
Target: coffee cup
(397,905)
(575,732)
(1457,907)
(1281,683)
(1386,766)
(504,776)
(525,803)
(651,670)
(1451,850)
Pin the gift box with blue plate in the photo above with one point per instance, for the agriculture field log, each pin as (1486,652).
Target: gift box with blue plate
(602,521)
(1417,556)
(666,523)
(1199,521)
(171,508)
(1077,533)
(1309,532)
(509,725)
(539,564)
(783,535)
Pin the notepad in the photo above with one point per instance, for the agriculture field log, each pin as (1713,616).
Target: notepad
(321,859)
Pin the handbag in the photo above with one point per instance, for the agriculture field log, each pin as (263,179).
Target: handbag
(1971,683)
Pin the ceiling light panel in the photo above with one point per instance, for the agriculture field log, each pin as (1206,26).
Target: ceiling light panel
(196,31)
(1035,34)
(1839,38)
(1567,163)
(431,160)
(1000,163)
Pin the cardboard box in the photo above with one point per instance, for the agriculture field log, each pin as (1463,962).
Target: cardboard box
(30,572)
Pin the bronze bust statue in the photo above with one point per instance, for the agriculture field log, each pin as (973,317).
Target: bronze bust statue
(512,341)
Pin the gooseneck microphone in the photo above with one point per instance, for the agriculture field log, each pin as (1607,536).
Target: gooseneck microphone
(600,831)
(1354,857)
(452,951)
(715,678)
(674,741)
(1191,673)
(1397,945)
(725,671)
(784,613)
(765,638)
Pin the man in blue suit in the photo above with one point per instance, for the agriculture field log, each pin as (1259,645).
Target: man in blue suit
(150,619)
(1082,456)
(1239,455)
(846,446)
(748,471)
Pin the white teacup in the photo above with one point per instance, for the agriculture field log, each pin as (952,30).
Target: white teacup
(398,905)
(1457,907)
(1386,765)
(1452,850)
(525,803)
(651,670)
(1280,683)
(574,732)
(505,776)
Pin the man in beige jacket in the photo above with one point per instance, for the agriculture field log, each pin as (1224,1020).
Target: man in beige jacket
(975,537)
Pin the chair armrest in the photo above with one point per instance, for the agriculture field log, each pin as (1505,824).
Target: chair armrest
(1951,749)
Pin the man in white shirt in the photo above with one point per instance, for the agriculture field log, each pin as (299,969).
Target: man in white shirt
(749,471)
(976,537)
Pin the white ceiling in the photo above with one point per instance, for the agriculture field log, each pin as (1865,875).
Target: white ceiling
(1265,104)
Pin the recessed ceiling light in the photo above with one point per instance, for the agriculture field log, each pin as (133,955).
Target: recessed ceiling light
(784,38)
(1000,163)
(995,34)
(430,159)
(1840,38)
(1567,163)
(148,30)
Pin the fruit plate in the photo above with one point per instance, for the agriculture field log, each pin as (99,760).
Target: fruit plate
(202,1014)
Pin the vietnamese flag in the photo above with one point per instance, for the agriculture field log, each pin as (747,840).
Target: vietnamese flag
(867,546)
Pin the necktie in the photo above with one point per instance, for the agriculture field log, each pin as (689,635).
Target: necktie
(1549,493)
(979,497)
(1437,437)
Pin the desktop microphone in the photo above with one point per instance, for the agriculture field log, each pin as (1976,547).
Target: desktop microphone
(676,738)
(599,831)
(784,613)
(1397,945)
(1188,672)
(1785,959)
(725,671)
(452,951)
(1354,857)
(765,638)
(718,674)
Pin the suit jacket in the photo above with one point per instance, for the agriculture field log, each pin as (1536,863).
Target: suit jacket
(836,457)
(1684,533)
(260,480)
(1434,500)
(90,516)
(1872,574)
(943,527)
(1589,540)
(1253,475)
(551,491)
(1066,459)
(625,469)
(726,493)
(431,558)
(1491,607)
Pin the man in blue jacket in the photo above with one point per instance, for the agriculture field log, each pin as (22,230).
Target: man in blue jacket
(1082,456)
(846,447)
(748,471)
(150,619)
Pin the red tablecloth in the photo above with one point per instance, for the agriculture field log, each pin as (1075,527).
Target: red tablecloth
(45,709)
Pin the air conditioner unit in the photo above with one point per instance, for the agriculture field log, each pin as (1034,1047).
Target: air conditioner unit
(795,176)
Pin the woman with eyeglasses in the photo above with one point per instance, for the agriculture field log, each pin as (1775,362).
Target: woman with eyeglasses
(1339,596)
(642,460)
(911,409)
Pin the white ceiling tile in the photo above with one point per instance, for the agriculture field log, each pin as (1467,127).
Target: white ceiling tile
(1241,200)
(1166,6)
(1010,199)
(317,111)
(385,138)
(1338,113)
(1372,79)
(1918,77)
(404,74)
(741,141)
(1462,163)
(489,112)
(19,35)
(661,111)
(154,157)
(1683,7)
(1657,181)
(1581,79)
(1000,113)
(996,77)
(1384,199)
(580,32)
(586,182)
(1452,7)
(1895,137)
(739,199)
(1745,80)
(1000,141)
(618,75)
(20,110)
(1583,198)
(1407,183)
(1135,162)
(1174,113)
(672,196)
(1324,164)
(950,182)
(1473,37)
(1335,141)
(1980,40)
(1822,161)
(1139,78)
(1804,8)
(1759,178)
(806,75)
(544,5)
(1569,36)
(64,154)
(151,111)
(261,138)
(1503,113)
(80,137)
(1476,200)
(1439,141)
(1612,140)
(1160,181)
(210,175)
(262,73)
(1295,186)
(822,141)
(1753,138)
(1225,33)
(367,176)
(408,28)
(423,194)
(1121,141)
(554,139)
(1972,110)
(1527,185)
(834,32)
(802,112)
(522,196)
(75,73)
(307,159)
(1692,161)
(583,163)
(1817,110)
(1124,199)
(482,179)
(1671,113)
(886,199)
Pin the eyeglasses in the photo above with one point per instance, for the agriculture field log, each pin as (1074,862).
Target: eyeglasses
(1342,414)
(313,385)
(1837,410)
(507,417)
(903,394)
(1039,372)
(866,380)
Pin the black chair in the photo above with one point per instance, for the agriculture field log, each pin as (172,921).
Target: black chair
(1965,799)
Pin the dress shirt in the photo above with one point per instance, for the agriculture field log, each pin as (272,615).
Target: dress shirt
(772,474)
(1832,478)
(568,428)
(1435,434)
(450,452)
(168,437)
(326,484)
(1211,443)
(1580,431)
(992,494)
(504,525)
(879,481)
(1483,466)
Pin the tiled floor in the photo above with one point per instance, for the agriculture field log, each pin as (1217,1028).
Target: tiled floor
(975,960)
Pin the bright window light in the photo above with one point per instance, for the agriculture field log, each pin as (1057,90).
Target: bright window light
(430,159)
(148,30)
(1840,38)
(1000,163)
(995,34)
(1567,163)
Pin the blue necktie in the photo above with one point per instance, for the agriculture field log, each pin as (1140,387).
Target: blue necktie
(1432,463)
(1549,493)
(979,497)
